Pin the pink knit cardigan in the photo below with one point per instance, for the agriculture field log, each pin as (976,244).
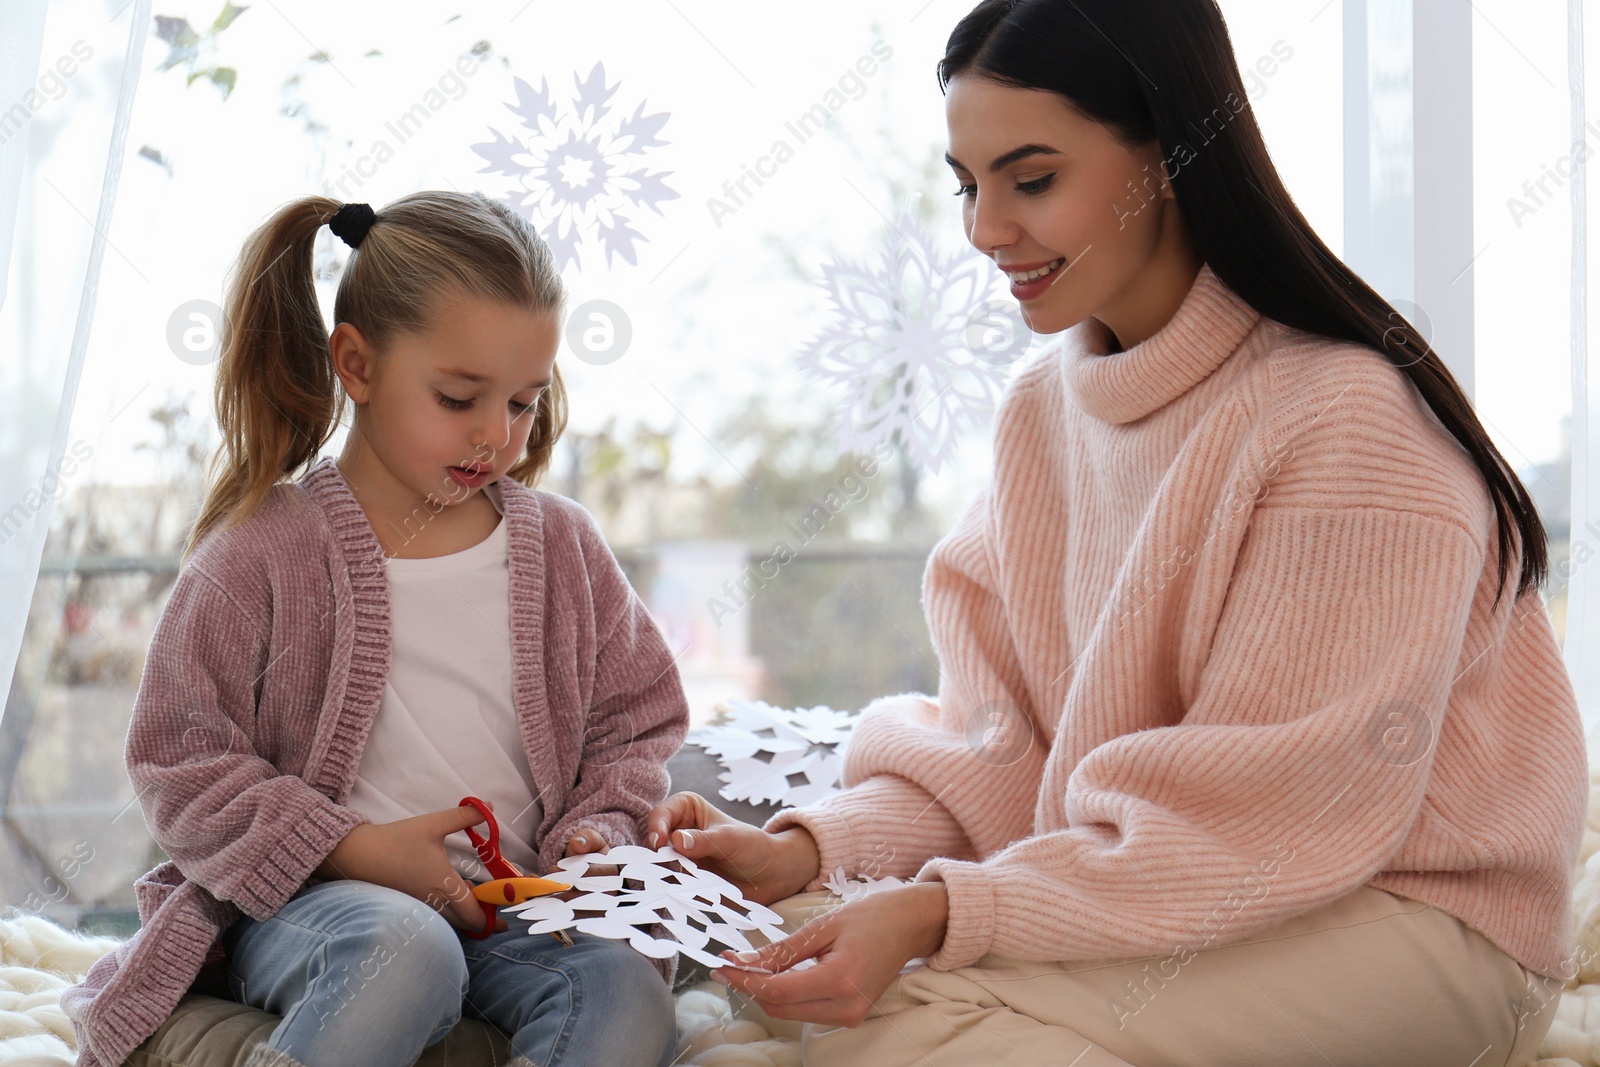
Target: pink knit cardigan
(1216,648)
(264,676)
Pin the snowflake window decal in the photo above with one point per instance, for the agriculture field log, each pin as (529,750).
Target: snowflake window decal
(577,169)
(772,755)
(919,344)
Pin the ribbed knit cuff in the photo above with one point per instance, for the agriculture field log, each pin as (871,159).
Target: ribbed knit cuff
(836,841)
(132,1001)
(969,930)
(617,829)
(260,893)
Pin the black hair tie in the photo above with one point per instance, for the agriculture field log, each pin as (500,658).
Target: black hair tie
(351,222)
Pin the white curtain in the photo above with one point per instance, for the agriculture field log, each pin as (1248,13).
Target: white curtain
(21,37)
(55,214)
(1583,591)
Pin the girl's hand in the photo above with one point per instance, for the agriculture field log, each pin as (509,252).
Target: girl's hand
(859,948)
(410,855)
(586,842)
(766,867)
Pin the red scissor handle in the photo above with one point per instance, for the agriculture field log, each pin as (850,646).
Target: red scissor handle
(489,852)
(489,849)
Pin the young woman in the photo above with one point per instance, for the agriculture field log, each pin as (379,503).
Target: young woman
(1253,743)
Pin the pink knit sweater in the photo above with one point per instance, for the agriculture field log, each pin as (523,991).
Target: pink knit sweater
(263,678)
(1216,649)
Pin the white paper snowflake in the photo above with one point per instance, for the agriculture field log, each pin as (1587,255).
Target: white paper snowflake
(859,886)
(772,755)
(921,345)
(576,170)
(632,889)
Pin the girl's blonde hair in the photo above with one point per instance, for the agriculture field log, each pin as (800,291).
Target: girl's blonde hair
(277,397)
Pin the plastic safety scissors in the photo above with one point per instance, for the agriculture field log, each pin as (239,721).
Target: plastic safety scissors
(509,885)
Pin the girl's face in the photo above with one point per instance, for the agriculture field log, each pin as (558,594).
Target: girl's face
(460,395)
(1041,187)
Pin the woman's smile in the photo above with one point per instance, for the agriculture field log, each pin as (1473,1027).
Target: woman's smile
(1028,282)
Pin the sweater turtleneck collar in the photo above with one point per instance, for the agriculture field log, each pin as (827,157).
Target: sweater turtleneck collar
(1120,387)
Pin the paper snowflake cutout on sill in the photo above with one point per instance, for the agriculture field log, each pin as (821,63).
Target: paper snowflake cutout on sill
(627,892)
(859,886)
(920,345)
(576,170)
(771,755)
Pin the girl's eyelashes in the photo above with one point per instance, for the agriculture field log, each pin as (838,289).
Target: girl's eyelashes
(461,405)
(1029,188)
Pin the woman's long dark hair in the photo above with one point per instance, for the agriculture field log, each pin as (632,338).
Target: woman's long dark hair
(1101,56)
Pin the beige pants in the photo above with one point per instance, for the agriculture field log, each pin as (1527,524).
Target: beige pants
(1371,979)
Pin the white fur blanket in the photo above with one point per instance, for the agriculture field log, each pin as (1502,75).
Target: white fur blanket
(38,959)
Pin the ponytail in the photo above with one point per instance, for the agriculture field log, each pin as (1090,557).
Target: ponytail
(277,398)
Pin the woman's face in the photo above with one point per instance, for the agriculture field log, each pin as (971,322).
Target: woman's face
(1044,187)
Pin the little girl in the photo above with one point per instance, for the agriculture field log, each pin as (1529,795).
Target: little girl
(346,655)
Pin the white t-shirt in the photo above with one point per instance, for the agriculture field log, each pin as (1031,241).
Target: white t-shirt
(447,727)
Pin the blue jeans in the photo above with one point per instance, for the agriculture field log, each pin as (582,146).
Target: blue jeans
(366,976)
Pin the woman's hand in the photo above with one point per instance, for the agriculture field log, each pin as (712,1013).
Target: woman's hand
(859,948)
(766,867)
(410,855)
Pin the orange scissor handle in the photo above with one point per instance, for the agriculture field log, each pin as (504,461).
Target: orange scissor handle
(510,886)
(516,890)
